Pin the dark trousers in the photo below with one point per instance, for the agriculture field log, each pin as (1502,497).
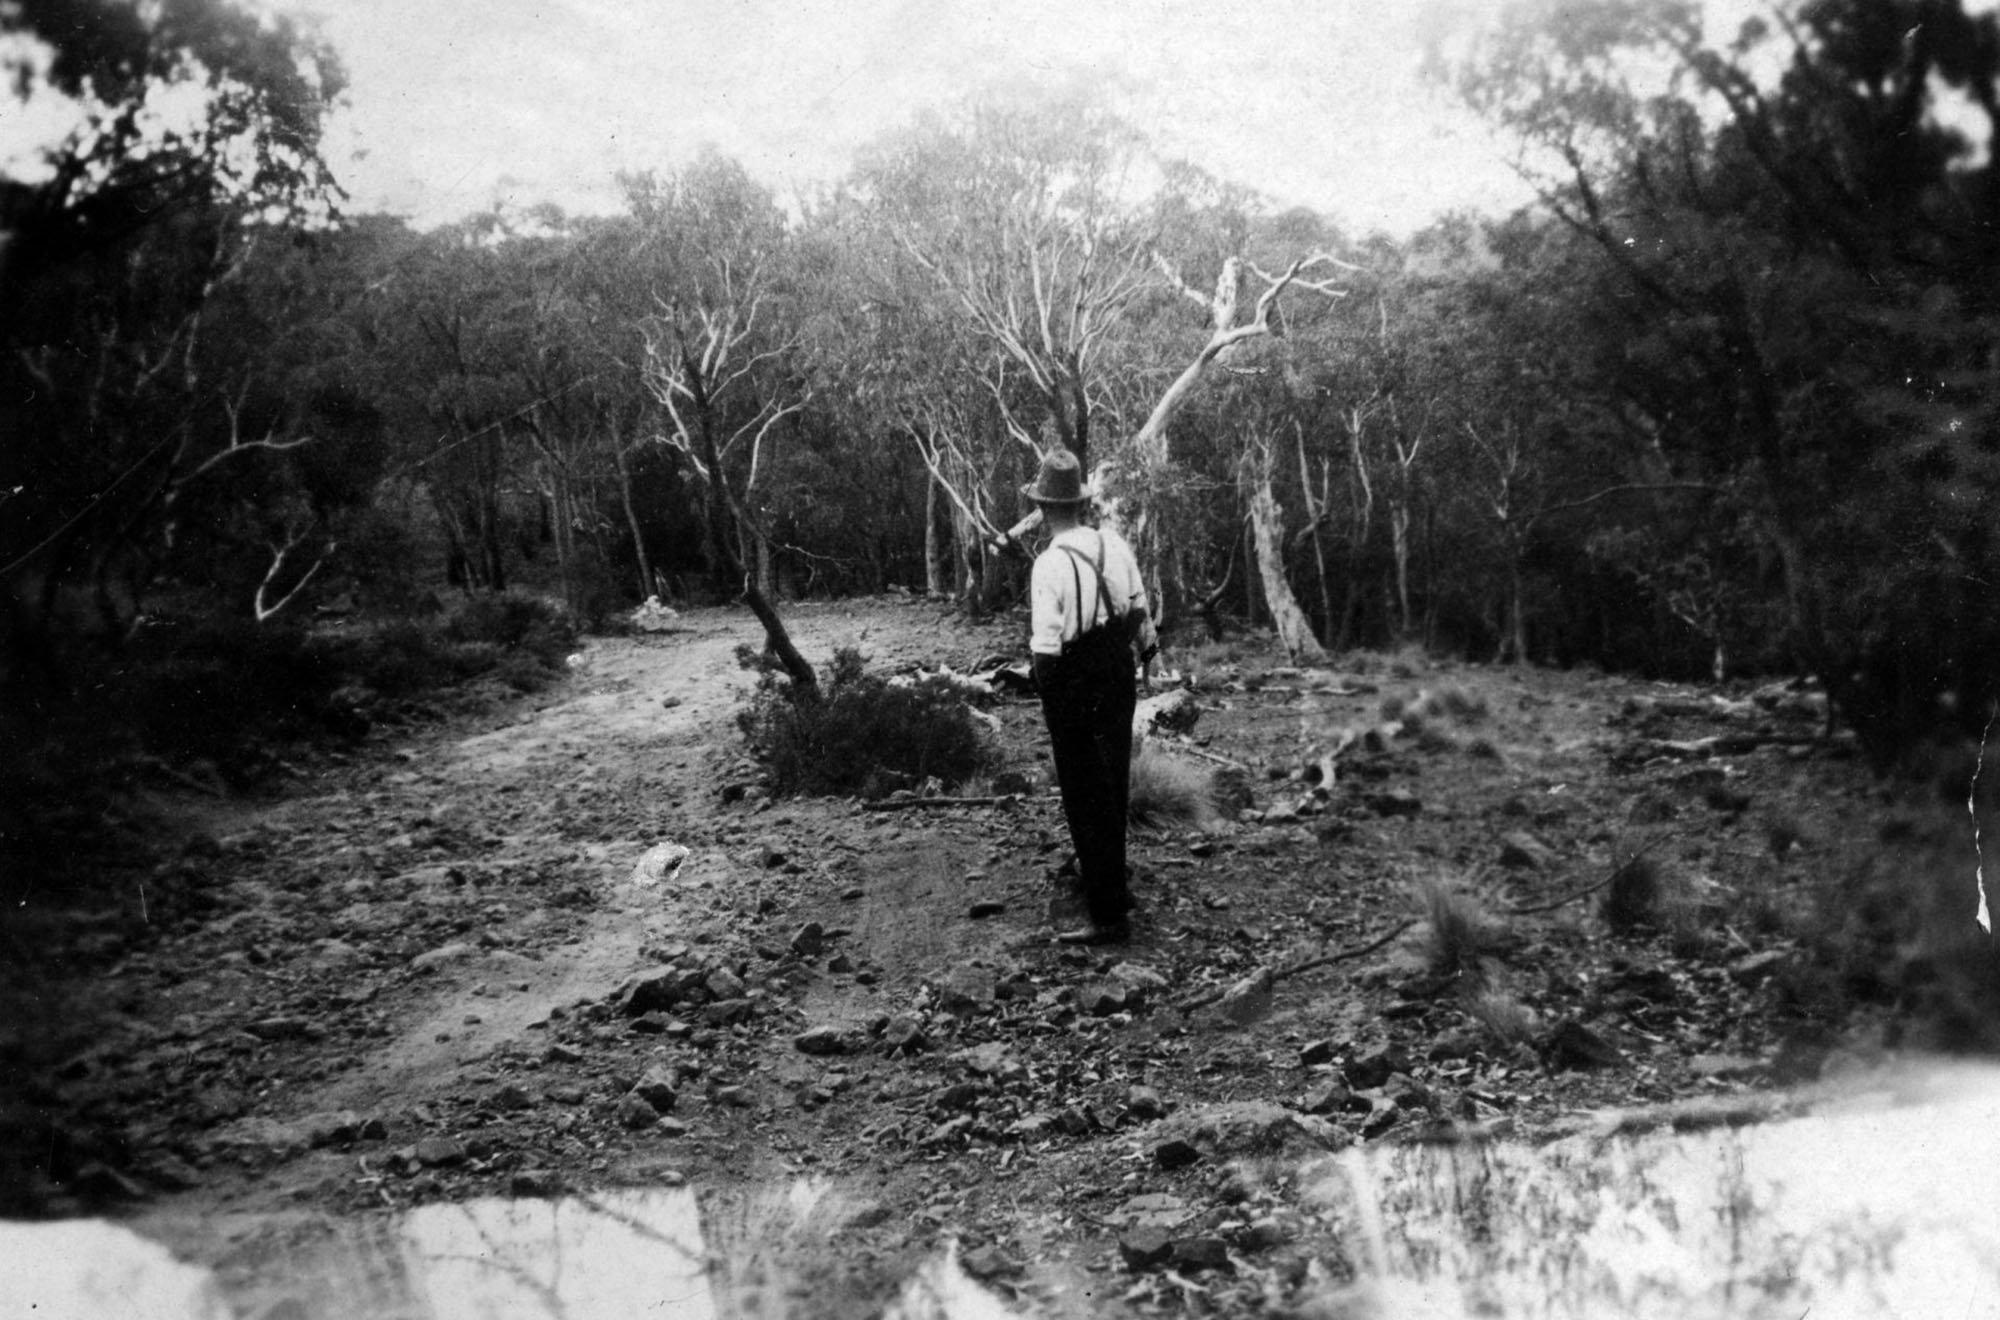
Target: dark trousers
(1088,693)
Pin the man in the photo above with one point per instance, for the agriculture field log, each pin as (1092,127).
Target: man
(1089,624)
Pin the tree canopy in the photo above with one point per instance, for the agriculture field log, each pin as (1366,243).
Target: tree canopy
(1721,403)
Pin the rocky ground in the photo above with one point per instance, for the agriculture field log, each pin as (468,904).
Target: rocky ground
(568,943)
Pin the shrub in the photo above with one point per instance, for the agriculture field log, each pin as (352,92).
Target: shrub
(515,620)
(858,730)
(202,690)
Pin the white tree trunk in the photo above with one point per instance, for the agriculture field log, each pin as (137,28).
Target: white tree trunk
(937,566)
(1268,530)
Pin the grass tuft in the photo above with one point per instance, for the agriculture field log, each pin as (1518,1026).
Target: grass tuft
(1505,1017)
(1456,931)
(1171,792)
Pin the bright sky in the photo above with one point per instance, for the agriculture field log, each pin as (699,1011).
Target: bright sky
(459,103)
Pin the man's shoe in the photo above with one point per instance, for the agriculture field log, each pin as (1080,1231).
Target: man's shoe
(1116,932)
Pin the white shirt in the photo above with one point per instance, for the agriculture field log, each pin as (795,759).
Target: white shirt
(1056,614)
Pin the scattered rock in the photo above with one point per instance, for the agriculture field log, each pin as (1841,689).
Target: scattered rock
(655,990)
(1319,1051)
(635,1112)
(1138,976)
(1195,1254)
(281,1028)
(440,1152)
(810,940)
(1175,1154)
(1103,1000)
(989,1262)
(334,1128)
(822,1040)
(1075,1120)
(728,1012)
(1144,1103)
(904,1035)
(985,907)
(538,1183)
(560,1053)
(1523,851)
(1264,1235)
(1366,1071)
(1395,802)
(1248,999)
(1572,1045)
(1456,1043)
(1327,1097)
(1254,1127)
(656,1087)
(511,1096)
(658,862)
(1145,1249)
(959,1095)
(966,989)
(725,984)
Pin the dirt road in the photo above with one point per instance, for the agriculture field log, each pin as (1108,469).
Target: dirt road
(429,975)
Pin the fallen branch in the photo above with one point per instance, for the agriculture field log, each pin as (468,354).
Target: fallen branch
(1309,965)
(1190,749)
(1722,744)
(919,803)
(1590,888)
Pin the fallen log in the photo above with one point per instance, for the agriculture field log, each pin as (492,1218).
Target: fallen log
(1698,749)
(1175,711)
(925,803)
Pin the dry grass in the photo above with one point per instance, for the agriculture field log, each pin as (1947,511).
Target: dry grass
(1505,1018)
(1169,792)
(1456,931)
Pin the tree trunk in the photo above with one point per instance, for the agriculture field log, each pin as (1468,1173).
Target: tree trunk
(624,468)
(724,513)
(1399,539)
(937,562)
(1267,525)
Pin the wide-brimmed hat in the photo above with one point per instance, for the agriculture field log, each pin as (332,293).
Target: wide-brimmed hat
(1060,481)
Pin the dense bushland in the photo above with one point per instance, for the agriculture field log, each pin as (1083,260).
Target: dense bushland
(1721,404)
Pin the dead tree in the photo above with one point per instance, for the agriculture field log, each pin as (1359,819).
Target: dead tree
(1226,330)
(706,365)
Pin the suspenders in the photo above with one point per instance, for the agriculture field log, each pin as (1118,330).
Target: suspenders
(1105,611)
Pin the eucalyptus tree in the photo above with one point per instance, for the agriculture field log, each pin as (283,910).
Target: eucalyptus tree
(721,345)
(1019,216)
(1794,296)
(197,126)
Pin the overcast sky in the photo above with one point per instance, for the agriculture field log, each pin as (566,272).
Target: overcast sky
(457,103)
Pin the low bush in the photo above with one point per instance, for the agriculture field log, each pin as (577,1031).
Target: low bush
(858,733)
(515,621)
